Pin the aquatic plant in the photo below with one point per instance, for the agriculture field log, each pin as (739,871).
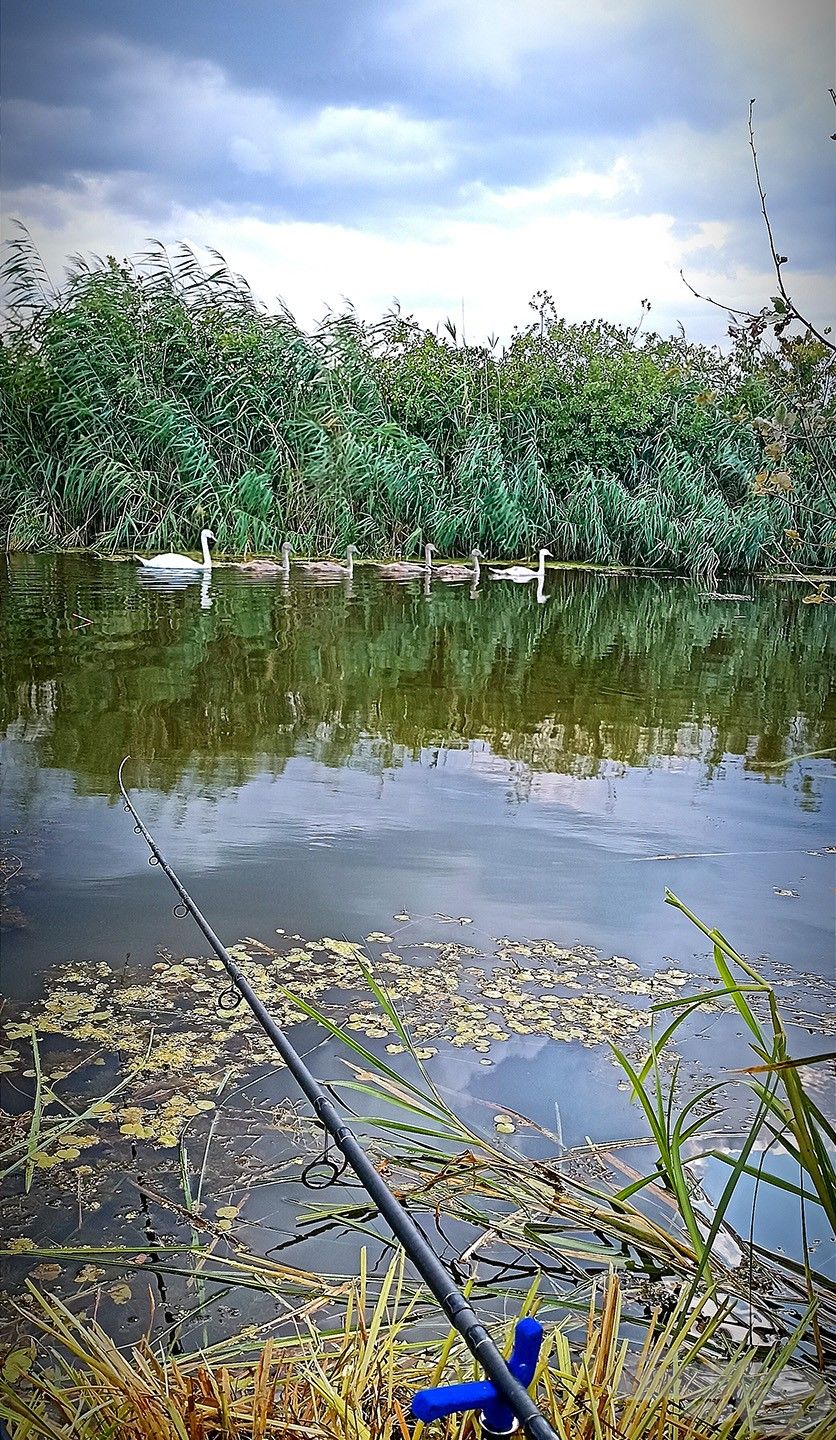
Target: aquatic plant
(145,399)
(355,1379)
(730,1346)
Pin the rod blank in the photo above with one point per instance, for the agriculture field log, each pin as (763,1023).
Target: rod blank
(434,1274)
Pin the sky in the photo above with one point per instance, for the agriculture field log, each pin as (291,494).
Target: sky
(450,156)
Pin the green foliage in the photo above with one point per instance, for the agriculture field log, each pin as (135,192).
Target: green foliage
(148,398)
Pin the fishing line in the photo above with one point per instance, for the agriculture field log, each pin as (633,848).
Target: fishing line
(458,1310)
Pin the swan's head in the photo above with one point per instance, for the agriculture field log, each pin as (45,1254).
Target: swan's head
(430,549)
(351,550)
(286,547)
(207,535)
(545,552)
(476,555)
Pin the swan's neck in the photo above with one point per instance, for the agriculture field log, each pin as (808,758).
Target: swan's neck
(207,558)
(475,568)
(541,573)
(428,561)
(285,563)
(350,562)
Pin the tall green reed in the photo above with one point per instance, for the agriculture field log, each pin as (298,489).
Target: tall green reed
(148,398)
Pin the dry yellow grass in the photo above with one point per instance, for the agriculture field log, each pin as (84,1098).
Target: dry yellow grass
(355,1383)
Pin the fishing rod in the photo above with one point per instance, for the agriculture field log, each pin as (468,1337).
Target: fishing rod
(503,1400)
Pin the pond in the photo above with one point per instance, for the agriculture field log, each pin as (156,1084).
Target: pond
(468,778)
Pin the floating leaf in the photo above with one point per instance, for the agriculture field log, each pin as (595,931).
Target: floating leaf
(19,1362)
(88,1275)
(45,1272)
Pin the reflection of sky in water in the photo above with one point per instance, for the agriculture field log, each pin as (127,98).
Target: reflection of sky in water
(340,851)
(321,761)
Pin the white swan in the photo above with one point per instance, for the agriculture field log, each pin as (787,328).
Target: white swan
(521,573)
(170,561)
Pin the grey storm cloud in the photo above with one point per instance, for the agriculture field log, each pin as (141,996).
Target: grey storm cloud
(350,112)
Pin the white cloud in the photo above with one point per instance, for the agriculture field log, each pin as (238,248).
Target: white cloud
(491,261)
(346,144)
(577,184)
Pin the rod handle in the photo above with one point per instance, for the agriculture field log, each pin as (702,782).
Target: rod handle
(442,1400)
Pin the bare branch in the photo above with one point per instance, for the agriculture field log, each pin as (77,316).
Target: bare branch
(760,320)
(779,260)
(720,304)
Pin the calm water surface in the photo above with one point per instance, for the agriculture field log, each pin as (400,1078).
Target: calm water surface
(323,757)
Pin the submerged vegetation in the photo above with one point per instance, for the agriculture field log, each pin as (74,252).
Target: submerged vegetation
(662,1318)
(146,398)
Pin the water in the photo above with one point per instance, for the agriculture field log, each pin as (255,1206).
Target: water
(324,757)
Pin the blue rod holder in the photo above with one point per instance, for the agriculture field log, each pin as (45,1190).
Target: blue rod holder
(495,1415)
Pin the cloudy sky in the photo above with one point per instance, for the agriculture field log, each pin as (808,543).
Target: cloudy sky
(455,155)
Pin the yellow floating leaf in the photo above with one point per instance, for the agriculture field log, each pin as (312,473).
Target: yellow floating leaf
(89,1274)
(19,1362)
(45,1272)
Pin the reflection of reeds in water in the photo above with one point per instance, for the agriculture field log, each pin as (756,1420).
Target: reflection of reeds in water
(610,669)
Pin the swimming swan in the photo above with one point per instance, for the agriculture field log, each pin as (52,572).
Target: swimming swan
(521,573)
(452,573)
(269,567)
(170,561)
(330,567)
(407,569)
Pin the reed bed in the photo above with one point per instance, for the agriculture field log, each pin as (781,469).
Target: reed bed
(144,399)
(356,1381)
